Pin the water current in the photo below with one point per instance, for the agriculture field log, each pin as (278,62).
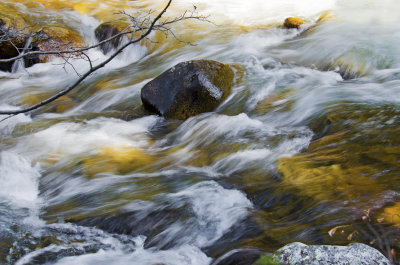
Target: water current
(308,140)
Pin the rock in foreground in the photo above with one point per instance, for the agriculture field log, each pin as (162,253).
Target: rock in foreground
(188,89)
(301,254)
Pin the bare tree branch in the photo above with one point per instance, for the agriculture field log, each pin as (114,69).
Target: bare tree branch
(138,24)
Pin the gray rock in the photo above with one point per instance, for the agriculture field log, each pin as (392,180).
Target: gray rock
(301,254)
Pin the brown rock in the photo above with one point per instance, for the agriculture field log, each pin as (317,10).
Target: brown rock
(17,27)
(293,22)
(58,38)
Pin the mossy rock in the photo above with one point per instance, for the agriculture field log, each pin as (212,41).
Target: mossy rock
(188,89)
(293,22)
(107,30)
(15,25)
(19,26)
(58,38)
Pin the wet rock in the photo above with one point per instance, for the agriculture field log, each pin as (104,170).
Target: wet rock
(301,254)
(239,257)
(188,89)
(12,48)
(107,30)
(58,38)
(293,22)
(23,32)
(13,38)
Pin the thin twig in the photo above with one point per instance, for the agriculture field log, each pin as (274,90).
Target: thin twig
(84,76)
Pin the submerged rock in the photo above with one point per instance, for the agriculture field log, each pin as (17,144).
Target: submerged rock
(107,30)
(338,165)
(301,254)
(293,22)
(117,160)
(188,89)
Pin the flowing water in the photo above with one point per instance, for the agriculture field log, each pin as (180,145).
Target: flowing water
(308,140)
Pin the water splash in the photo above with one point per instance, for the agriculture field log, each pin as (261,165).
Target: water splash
(19,180)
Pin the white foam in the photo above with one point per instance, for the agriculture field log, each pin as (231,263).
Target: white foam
(185,255)
(19,180)
(182,255)
(73,138)
(216,210)
(208,127)
(256,12)
(8,124)
(369,11)
(242,160)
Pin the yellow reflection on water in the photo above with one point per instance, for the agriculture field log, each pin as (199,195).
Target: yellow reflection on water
(117,160)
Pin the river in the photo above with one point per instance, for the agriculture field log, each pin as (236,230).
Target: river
(308,140)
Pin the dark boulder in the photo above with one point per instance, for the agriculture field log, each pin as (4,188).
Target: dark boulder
(188,89)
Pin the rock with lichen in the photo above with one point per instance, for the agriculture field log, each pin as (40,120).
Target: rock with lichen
(301,254)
